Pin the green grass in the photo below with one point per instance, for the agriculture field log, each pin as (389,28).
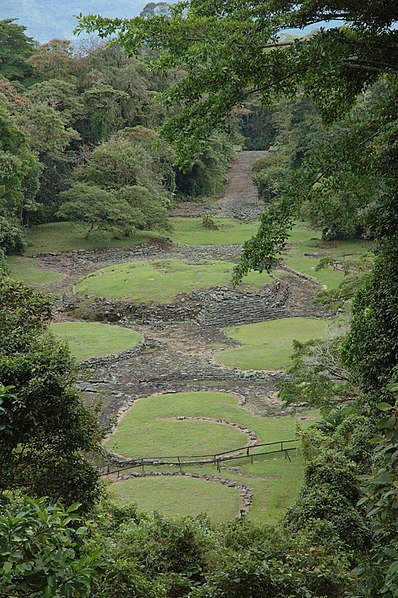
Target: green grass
(269,345)
(190,231)
(274,480)
(27,270)
(162,280)
(147,428)
(169,495)
(304,240)
(70,236)
(93,340)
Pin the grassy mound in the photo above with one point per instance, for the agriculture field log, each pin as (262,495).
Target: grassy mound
(148,430)
(179,496)
(27,270)
(94,340)
(161,281)
(303,253)
(269,345)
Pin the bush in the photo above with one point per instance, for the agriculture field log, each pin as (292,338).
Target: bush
(12,239)
(38,550)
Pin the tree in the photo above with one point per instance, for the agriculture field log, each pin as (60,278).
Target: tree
(104,105)
(62,96)
(238,53)
(153,9)
(55,60)
(120,163)
(103,210)
(44,425)
(51,138)
(15,49)
(19,170)
(380,575)
(206,175)
(46,129)
(124,186)
(257,127)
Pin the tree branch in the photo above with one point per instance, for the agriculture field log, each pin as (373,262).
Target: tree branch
(369,67)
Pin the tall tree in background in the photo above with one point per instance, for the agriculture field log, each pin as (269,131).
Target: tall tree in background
(15,48)
(153,9)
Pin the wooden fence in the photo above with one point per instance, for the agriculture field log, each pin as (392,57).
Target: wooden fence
(246,452)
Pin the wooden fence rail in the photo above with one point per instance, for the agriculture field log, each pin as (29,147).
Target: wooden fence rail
(188,460)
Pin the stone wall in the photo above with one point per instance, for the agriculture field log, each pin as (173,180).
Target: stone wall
(218,306)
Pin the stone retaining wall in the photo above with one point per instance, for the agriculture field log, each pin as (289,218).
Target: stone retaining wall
(94,362)
(218,306)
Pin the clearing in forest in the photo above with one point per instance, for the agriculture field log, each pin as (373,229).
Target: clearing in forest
(118,269)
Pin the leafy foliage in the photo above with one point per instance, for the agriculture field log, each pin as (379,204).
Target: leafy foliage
(39,553)
(16,47)
(43,421)
(122,188)
(380,574)
(317,376)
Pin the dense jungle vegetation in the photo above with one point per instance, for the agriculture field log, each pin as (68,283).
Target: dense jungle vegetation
(84,138)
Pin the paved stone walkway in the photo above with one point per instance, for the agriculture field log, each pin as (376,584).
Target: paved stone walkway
(240,199)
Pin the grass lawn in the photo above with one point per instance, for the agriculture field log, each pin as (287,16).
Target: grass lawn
(162,280)
(70,236)
(148,429)
(93,340)
(269,345)
(274,480)
(27,270)
(306,249)
(190,231)
(178,496)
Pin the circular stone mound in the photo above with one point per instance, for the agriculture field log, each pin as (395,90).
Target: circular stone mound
(160,281)
(151,428)
(269,345)
(94,340)
(178,496)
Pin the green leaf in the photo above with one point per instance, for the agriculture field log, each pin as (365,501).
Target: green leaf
(384,406)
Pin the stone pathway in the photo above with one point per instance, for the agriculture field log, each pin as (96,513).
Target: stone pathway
(240,199)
